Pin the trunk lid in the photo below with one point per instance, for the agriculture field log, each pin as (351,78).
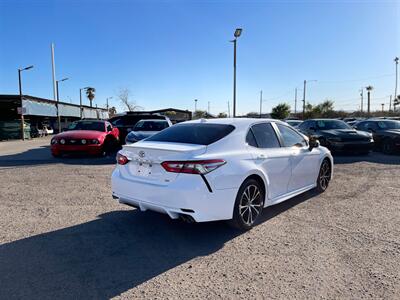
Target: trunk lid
(145,160)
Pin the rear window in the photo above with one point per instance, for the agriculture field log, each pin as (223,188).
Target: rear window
(195,133)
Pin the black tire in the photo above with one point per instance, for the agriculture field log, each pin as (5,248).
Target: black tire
(248,205)
(388,146)
(324,176)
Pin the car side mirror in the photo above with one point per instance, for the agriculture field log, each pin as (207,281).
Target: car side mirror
(313,143)
(370,130)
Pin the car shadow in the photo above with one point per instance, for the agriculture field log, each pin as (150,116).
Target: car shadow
(42,156)
(372,157)
(111,254)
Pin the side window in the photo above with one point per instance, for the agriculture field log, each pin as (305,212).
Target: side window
(290,137)
(265,136)
(117,122)
(362,126)
(109,127)
(305,125)
(250,139)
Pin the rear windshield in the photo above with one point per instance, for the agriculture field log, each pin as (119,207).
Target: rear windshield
(195,133)
(150,125)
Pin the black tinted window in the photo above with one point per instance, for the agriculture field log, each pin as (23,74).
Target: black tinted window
(195,133)
(265,136)
(250,139)
(291,137)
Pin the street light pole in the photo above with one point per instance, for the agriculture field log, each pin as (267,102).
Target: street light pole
(20,99)
(295,101)
(58,100)
(304,95)
(369,89)
(237,33)
(195,105)
(260,103)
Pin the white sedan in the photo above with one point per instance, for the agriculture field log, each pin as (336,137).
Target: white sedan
(220,169)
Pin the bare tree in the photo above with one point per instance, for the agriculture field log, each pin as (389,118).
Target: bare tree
(124,97)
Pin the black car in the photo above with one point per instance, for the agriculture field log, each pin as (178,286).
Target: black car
(386,134)
(338,136)
(127,121)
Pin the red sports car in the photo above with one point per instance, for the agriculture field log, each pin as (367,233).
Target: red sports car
(93,137)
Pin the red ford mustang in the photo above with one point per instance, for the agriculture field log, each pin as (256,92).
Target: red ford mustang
(87,136)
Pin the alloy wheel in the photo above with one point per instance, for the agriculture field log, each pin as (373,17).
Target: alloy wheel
(324,175)
(250,204)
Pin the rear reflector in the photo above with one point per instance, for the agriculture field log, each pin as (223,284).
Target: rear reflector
(122,159)
(193,167)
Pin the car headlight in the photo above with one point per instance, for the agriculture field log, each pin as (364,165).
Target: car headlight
(83,142)
(53,141)
(62,141)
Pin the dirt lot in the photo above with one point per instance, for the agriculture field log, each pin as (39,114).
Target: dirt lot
(62,236)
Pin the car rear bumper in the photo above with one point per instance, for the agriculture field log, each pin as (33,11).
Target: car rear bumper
(187,195)
(93,149)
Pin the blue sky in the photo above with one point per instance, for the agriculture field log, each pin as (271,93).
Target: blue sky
(170,52)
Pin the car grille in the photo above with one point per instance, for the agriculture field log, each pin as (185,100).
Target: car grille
(73,142)
(355,139)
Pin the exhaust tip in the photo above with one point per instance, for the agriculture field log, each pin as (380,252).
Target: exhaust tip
(187,219)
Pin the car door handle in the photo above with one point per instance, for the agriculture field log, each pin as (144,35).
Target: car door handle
(261,156)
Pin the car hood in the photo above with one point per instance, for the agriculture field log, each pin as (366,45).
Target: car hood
(81,134)
(344,133)
(140,135)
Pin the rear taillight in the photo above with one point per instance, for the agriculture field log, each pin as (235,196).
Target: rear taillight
(193,167)
(122,159)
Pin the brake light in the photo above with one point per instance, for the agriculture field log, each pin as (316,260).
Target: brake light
(193,167)
(122,159)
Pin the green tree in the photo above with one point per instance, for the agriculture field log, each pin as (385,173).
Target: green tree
(90,94)
(253,115)
(281,111)
(222,115)
(198,114)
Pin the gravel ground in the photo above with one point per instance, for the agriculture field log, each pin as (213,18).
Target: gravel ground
(62,236)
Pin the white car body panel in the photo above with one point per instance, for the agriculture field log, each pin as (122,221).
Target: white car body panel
(144,183)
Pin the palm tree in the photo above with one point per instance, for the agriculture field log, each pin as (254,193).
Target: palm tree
(369,89)
(90,93)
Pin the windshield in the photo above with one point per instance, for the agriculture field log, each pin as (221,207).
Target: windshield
(150,125)
(87,125)
(389,125)
(294,122)
(194,133)
(332,124)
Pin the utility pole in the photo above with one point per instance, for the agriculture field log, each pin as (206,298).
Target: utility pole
(195,105)
(208,110)
(304,98)
(396,61)
(261,103)
(369,89)
(383,106)
(53,67)
(237,33)
(295,100)
(229,110)
(390,103)
(362,100)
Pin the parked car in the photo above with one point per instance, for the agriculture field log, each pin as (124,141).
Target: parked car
(386,134)
(294,123)
(338,136)
(220,169)
(47,130)
(127,121)
(87,136)
(145,128)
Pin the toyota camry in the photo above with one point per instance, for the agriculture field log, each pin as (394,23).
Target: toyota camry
(220,169)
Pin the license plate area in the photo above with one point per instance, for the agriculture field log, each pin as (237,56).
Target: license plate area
(144,169)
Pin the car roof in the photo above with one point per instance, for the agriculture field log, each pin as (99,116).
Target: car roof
(153,120)
(237,122)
